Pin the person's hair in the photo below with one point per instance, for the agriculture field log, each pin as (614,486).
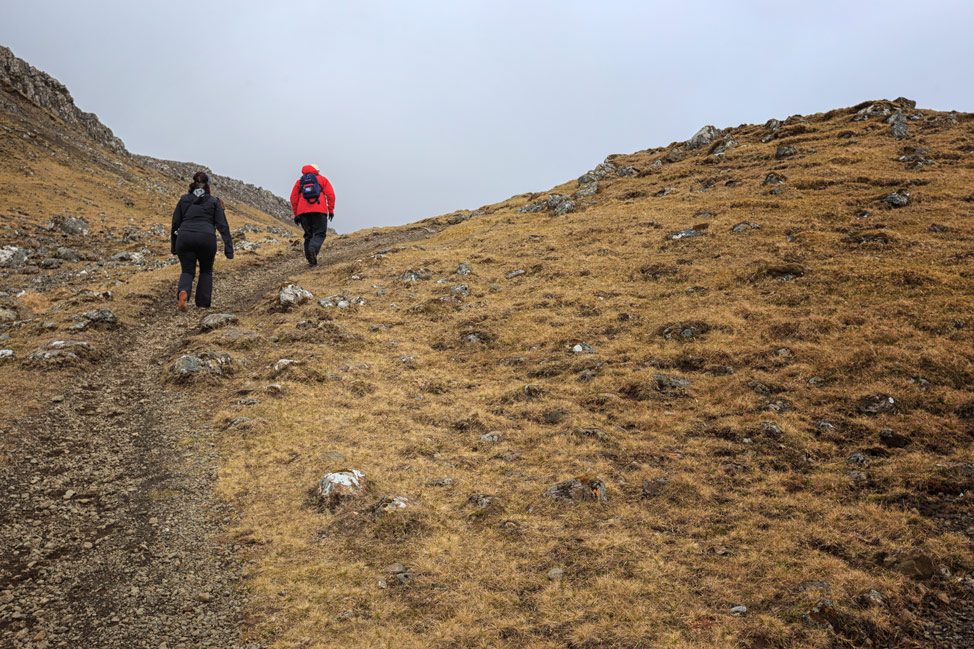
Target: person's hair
(200,179)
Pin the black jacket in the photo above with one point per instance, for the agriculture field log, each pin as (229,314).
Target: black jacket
(203,215)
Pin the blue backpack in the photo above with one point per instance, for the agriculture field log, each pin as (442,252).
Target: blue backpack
(310,188)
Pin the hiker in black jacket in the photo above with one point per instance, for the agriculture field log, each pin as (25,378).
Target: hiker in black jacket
(196,217)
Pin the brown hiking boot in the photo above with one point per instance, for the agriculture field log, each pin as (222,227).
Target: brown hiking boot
(182,304)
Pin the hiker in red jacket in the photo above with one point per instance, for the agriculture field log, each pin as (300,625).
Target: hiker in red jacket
(313,204)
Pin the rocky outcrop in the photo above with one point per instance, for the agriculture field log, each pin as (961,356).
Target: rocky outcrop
(47,93)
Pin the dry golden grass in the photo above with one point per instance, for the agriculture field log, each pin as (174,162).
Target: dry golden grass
(706,509)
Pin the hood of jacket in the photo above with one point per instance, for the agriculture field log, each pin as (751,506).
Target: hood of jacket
(309,169)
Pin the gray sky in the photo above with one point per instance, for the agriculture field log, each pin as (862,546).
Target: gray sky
(414,109)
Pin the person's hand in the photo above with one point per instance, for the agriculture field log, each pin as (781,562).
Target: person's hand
(331,215)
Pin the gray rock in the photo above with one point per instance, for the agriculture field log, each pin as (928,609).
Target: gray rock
(628,171)
(101,317)
(581,488)
(60,352)
(457,218)
(339,487)
(515,273)
(738,611)
(671,385)
(696,231)
(7,354)
(67,254)
(70,225)
(774,179)
(898,125)
(772,124)
(703,137)
(463,268)
(666,191)
(419,275)
(582,348)
(561,204)
(208,362)
(217,321)
(12,257)
(785,152)
(744,226)
(822,614)
(133,257)
(482,501)
(899,198)
(460,289)
(8,315)
(890,439)
(531,208)
(556,574)
(492,437)
(292,295)
(674,155)
(588,189)
(876,404)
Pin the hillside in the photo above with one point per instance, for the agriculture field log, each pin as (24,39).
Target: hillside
(714,394)
(751,352)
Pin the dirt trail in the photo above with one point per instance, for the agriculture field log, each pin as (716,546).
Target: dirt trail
(107,518)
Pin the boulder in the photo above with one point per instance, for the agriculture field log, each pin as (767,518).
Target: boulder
(132,257)
(463,268)
(217,321)
(336,488)
(785,152)
(899,198)
(582,488)
(419,275)
(627,172)
(7,355)
(67,254)
(292,295)
(61,352)
(101,317)
(206,363)
(588,189)
(674,155)
(12,257)
(697,230)
(703,137)
(744,226)
(774,179)
(898,125)
(70,225)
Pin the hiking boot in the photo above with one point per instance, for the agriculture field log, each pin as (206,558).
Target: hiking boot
(312,257)
(183,303)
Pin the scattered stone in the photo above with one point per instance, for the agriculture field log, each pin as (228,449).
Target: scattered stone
(292,295)
(457,218)
(822,615)
(463,268)
(671,385)
(876,404)
(873,110)
(217,321)
(898,125)
(629,171)
(784,271)
(441,482)
(336,488)
(685,330)
(738,611)
(208,362)
(588,189)
(12,257)
(561,204)
(284,363)
(697,230)
(70,225)
(7,354)
(858,459)
(419,275)
(899,198)
(674,155)
(8,315)
(101,317)
(67,254)
(556,574)
(556,416)
(481,501)
(938,228)
(392,504)
(136,258)
(744,226)
(581,488)
(771,429)
(61,352)
(703,137)
(785,152)
(515,273)
(461,290)
(774,179)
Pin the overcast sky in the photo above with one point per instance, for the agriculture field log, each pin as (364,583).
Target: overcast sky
(414,109)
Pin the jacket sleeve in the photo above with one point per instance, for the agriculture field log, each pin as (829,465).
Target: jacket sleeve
(223,228)
(294,198)
(329,193)
(177,220)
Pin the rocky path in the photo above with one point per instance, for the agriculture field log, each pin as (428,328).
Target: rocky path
(109,535)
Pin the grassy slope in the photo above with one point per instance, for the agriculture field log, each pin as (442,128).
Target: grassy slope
(706,510)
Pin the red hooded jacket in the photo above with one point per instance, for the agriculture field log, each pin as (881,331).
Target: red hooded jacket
(326,204)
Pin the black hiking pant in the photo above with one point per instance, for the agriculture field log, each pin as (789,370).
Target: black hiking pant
(193,247)
(315,225)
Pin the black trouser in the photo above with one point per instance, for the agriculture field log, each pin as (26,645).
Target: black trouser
(192,247)
(315,226)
